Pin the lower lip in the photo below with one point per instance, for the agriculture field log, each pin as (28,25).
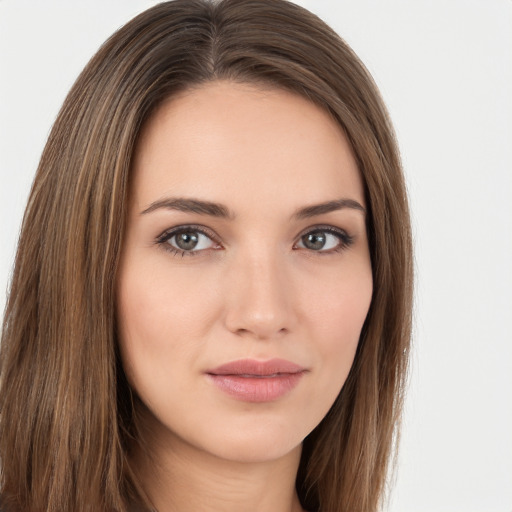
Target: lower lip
(256,389)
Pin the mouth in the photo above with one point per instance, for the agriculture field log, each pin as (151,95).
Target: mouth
(256,381)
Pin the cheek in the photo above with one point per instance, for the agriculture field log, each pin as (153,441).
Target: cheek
(333,312)
(155,316)
(336,316)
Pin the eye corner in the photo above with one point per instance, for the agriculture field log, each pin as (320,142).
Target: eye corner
(344,240)
(163,240)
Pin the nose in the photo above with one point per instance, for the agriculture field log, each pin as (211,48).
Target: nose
(259,298)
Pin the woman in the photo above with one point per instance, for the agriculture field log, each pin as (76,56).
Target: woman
(210,307)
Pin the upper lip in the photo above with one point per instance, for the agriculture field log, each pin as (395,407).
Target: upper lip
(254,367)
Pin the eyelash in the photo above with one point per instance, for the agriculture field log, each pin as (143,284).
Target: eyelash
(163,239)
(345,240)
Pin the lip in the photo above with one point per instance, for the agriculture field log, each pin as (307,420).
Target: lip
(250,380)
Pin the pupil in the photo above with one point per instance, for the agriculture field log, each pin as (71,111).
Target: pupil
(187,241)
(314,241)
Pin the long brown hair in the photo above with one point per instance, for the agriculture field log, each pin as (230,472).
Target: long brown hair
(66,414)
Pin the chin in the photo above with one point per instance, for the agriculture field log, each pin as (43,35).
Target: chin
(257,449)
(260,441)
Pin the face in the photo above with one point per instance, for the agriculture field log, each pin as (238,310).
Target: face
(245,276)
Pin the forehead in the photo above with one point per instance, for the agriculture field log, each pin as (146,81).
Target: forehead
(237,141)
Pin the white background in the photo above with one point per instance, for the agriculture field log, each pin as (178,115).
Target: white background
(445,71)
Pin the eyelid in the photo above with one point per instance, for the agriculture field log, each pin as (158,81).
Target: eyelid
(346,240)
(169,232)
(162,239)
(344,237)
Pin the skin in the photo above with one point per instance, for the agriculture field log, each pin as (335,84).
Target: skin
(253,289)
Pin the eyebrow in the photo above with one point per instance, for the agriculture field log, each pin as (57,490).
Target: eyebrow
(327,207)
(201,207)
(190,205)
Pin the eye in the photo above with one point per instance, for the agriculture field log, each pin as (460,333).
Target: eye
(187,240)
(325,240)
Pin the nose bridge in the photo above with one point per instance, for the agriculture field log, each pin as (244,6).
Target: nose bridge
(259,301)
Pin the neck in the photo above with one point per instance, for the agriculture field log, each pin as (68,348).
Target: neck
(178,477)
